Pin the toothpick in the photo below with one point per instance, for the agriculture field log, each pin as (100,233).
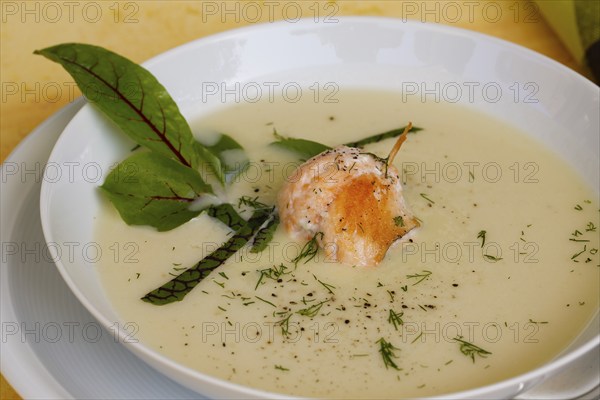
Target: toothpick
(398,143)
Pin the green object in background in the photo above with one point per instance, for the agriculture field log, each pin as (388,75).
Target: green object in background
(577,23)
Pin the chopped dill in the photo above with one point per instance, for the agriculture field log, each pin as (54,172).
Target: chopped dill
(285,324)
(266,301)
(424,195)
(417,338)
(387,353)
(275,273)
(481,235)
(391,295)
(312,310)
(471,350)
(253,203)
(492,258)
(574,256)
(421,277)
(309,250)
(326,285)
(537,322)
(395,318)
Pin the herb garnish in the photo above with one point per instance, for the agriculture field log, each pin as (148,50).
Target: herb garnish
(424,195)
(227,215)
(303,147)
(153,188)
(421,277)
(312,310)
(395,318)
(382,136)
(470,350)
(309,250)
(481,235)
(273,273)
(285,324)
(307,148)
(326,285)
(265,235)
(266,301)
(537,322)
(177,288)
(492,258)
(399,221)
(387,353)
(574,256)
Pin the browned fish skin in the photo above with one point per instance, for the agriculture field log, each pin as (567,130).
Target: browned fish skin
(354,198)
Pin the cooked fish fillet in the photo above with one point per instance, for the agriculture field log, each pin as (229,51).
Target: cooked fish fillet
(353,198)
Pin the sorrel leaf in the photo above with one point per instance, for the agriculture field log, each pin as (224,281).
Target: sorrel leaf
(130,96)
(308,148)
(265,235)
(227,215)
(304,148)
(150,189)
(177,288)
(231,155)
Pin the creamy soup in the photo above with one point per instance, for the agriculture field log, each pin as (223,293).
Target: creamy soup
(499,278)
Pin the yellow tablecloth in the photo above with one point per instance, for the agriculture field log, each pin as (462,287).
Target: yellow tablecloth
(142,29)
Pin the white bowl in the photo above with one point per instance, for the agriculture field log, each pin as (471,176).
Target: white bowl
(374,53)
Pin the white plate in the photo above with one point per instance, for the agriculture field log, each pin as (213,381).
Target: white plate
(517,85)
(33,292)
(51,346)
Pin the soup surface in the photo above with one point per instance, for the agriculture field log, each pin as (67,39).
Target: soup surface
(498,279)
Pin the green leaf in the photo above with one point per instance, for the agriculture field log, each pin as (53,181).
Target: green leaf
(231,155)
(209,159)
(307,148)
(227,215)
(130,96)
(177,288)
(265,235)
(304,148)
(150,189)
(381,136)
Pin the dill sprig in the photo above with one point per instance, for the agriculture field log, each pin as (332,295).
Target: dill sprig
(327,286)
(492,258)
(399,221)
(421,277)
(395,318)
(312,310)
(309,250)
(470,350)
(285,324)
(274,273)
(481,235)
(425,196)
(387,353)
(252,203)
